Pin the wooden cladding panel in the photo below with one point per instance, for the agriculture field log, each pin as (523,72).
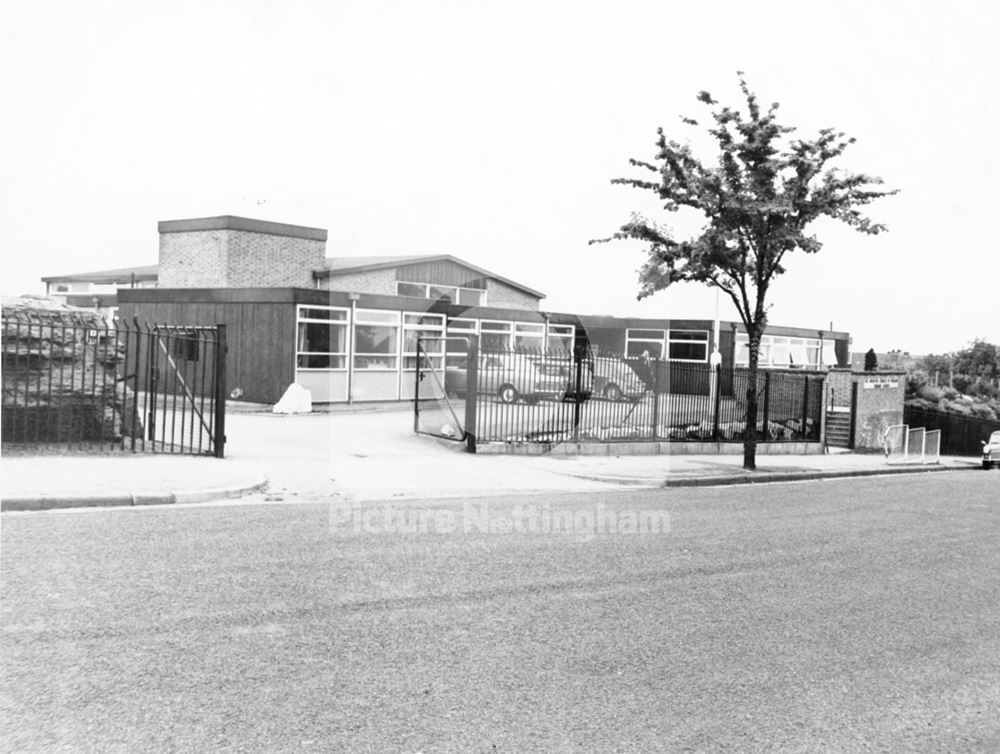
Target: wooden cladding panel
(441,273)
(261,340)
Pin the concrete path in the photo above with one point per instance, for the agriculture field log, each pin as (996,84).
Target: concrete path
(374,455)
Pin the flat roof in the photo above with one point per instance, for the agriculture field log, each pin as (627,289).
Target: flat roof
(118,275)
(232,222)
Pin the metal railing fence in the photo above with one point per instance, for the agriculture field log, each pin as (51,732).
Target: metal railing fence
(532,395)
(79,382)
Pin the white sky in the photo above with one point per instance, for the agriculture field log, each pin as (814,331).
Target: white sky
(491,131)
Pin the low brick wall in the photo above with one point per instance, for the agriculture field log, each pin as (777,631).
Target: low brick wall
(646,448)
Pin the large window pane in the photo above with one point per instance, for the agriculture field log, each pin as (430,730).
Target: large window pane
(471,297)
(417,290)
(375,339)
(686,351)
(648,348)
(321,345)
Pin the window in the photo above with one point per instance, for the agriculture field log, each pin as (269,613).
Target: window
(495,336)
(417,290)
(376,339)
(687,345)
(423,326)
(561,338)
(456,294)
(185,345)
(529,335)
(644,342)
(471,297)
(780,351)
(322,338)
(458,348)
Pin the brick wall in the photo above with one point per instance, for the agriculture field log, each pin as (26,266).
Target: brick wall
(233,252)
(371,281)
(193,260)
(880,405)
(839,381)
(504,296)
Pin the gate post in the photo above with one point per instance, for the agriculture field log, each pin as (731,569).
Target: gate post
(805,407)
(416,392)
(577,360)
(717,409)
(471,392)
(153,370)
(221,349)
(656,399)
(767,405)
(854,414)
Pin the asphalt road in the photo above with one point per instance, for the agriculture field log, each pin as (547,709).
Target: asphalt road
(846,615)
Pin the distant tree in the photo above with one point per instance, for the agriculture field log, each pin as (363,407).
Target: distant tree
(756,202)
(980,359)
(871,361)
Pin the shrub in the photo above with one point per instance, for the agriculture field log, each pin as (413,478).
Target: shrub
(957,407)
(930,393)
(914,382)
(962,382)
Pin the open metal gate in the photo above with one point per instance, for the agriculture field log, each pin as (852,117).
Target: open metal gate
(75,381)
(440,408)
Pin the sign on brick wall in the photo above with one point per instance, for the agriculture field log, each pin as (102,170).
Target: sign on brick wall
(880,382)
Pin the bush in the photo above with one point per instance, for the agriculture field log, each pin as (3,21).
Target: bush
(930,393)
(914,382)
(962,382)
(957,407)
(982,411)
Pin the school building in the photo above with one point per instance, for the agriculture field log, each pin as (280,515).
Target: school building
(346,327)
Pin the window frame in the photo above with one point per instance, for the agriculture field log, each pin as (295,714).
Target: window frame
(377,318)
(345,322)
(629,340)
(456,297)
(687,341)
(436,359)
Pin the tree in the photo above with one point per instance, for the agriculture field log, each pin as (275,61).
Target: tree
(871,361)
(756,202)
(980,359)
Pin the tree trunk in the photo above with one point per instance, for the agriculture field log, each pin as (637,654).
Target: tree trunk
(750,431)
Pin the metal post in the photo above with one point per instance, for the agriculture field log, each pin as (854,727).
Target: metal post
(471,392)
(717,410)
(767,405)
(854,414)
(805,405)
(221,350)
(577,388)
(416,392)
(655,383)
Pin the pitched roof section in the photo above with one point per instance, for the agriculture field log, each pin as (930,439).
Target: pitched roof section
(339,265)
(120,275)
(334,266)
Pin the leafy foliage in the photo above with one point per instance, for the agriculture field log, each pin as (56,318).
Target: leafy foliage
(970,377)
(757,200)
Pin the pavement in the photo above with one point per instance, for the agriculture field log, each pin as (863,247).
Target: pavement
(373,454)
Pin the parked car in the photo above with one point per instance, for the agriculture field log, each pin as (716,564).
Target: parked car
(509,377)
(615,380)
(991,451)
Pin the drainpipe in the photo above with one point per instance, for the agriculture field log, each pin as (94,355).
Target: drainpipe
(353,298)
